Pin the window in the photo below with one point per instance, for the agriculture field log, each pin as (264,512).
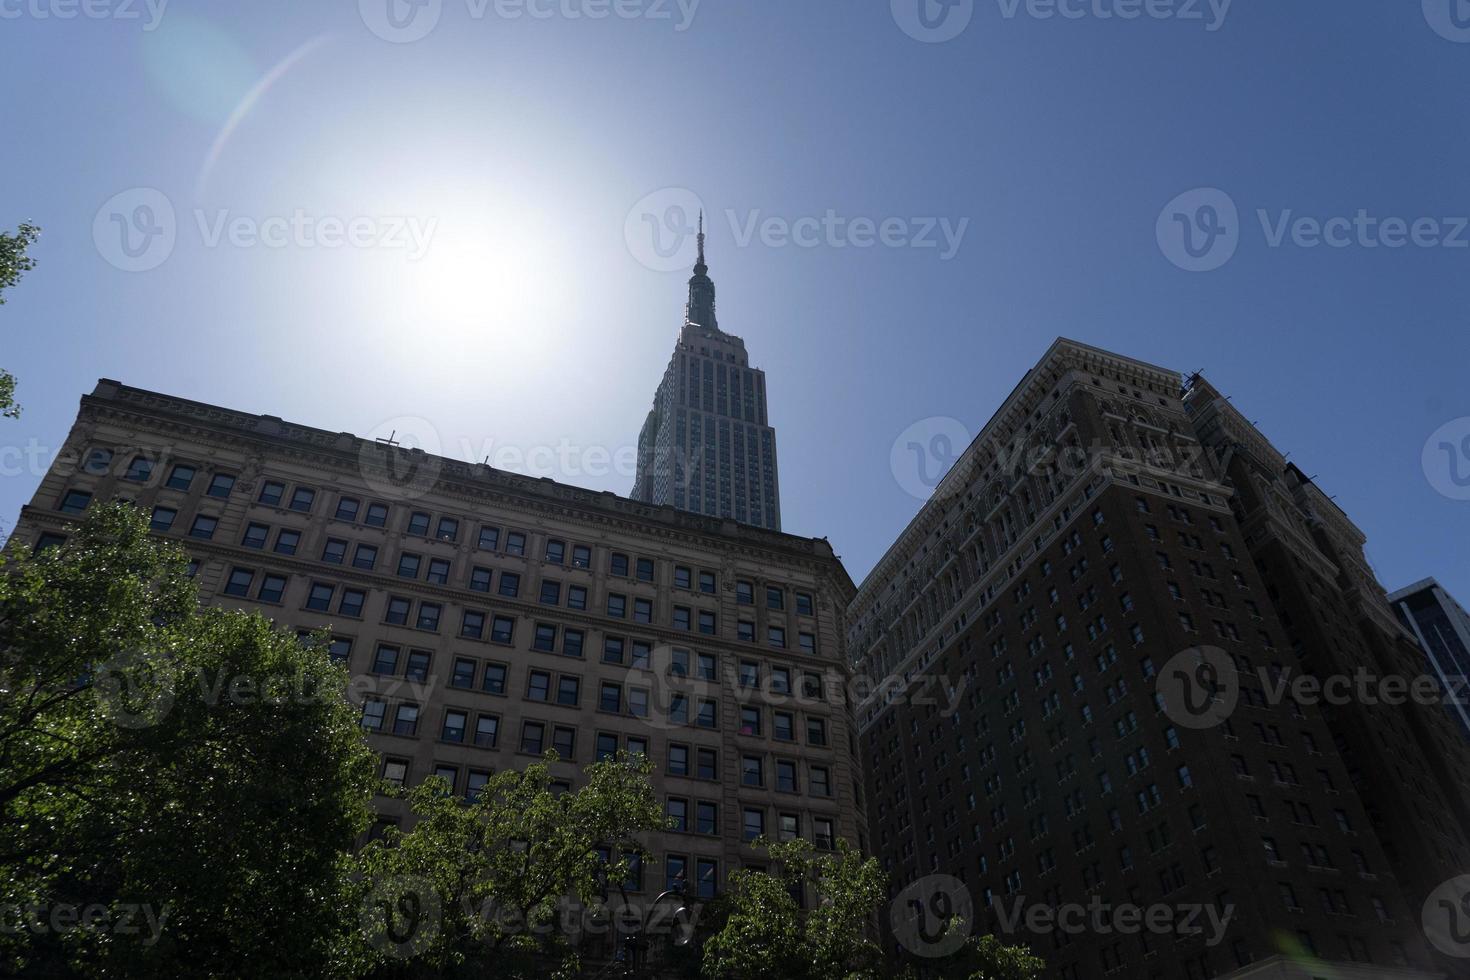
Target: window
(751,771)
(271,493)
(821,781)
(678,760)
(556,551)
(448,529)
(429,616)
(538,686)
(271,588)
(417,668)
(568,690)
(377,515)
(203,527)
(681,577)
(678,813)
(287,541)
(75,501)
(472,624)
(617,606)
(474,785)
(533,737)
(706,622)
(489,538)
(320,597)
(334,551)
(611,697)
(581,556)
(707,583)
(366,556)
(674,868)
(745,631)
(99,461)
(707,714)
(372,715)
(788,826)
(783,726)
(255,536)
(823,836)
(397,613)
(454,726)
(576,597)
(642,611)
(438,571)
(302,499)
(617,564)
(480,579)
(544,638)
(807,642)
(494,679)
(645,569)
(571,643)
(163,518)
(786,776)
(612,649)
(753,824)
(804,604)
(564,741)
(418,524)
(510,584)
(515,543)
(706,817)
(681,617)
(706,877)
(487,731)
(239,582)
(744,593)
(408,565)
(180,477)
(775,598)
(816,731)
(750,721)
(707,764)
(347,508)
(502,628)
(406,721)
(385,661)
(464,673)
(550,593)
(395,771)
(220,485)
(776,636)
(49,540)
(351,602)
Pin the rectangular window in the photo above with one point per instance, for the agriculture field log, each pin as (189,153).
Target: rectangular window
(786,776)
(611,698)
(448,529)
(533,737)
(581,556)
(418,524)
(510,584)
(707,764)
(645,569)
(776,636)
(239,582)
(220,485)
(417,668)
(377,515)
(406,721)
(163,518)
(617,606)
(556,551)
(538,686)
(706,817)
(515,543)
(302,499)
(681,577)
(472,624)
(707,582)
(271,588)
(320,597)
(494,679)
(564,741)
(180,477)
(347,509)
(438,571)
(203,527)
(803,604)
(385,661)
(618,564)
(464,673)
(678,760)
(753,824)
(487,731)
(408,565)
(255,536)
(568,690)
(775,598)
(480,579)
(271,493)
(502,628)
(351,602)
(745,593)
(706,622)
(544,639)
(454,726)
(576,597)
(75,501)
(397,613)
(334,551)
(429,616)
(489,538)
(550,593)
(365,557)
(571,642)
(287,541)
(821,781)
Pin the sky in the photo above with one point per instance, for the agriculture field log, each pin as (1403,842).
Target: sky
(466,221)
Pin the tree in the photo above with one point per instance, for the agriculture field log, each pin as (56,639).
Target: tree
(987,958)
(13,261)
(188,781)
(766,935)
(478,888)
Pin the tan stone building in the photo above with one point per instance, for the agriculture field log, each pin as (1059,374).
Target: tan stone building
(487,617)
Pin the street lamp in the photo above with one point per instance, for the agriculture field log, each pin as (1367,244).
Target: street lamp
(636,942)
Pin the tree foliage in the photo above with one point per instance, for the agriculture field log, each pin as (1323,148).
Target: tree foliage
(479,888)
(13,261)
(767,935)
(198,763)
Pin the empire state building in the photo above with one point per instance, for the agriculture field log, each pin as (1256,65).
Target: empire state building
(706,446)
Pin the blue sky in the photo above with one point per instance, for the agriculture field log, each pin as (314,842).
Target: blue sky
(523,141)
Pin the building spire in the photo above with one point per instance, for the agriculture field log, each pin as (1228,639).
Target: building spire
(701,308)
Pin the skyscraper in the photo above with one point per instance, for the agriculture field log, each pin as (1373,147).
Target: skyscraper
(1443,629)
(706,446)
(1113,529)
